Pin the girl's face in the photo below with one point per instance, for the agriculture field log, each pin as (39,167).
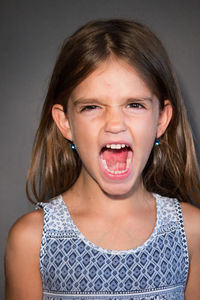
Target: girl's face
(113,119)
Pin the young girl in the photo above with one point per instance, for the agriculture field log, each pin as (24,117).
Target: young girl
(115,152)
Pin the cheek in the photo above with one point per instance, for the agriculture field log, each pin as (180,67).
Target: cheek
(78,128)
(85,128)
(144,128)
(144,134)
(84,136)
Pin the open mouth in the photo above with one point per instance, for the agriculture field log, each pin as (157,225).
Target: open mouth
(116,158)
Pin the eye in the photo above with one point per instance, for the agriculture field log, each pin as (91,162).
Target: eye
(135,105)
(89,108)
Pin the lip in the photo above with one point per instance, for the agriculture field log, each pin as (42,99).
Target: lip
(109,175)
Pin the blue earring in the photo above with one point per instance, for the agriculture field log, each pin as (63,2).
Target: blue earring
(72,146)
(157,142)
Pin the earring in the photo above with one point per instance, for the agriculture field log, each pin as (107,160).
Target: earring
(157,142)
(72,146)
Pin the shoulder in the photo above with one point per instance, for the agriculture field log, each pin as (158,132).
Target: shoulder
(191,218)
(22,257)
(29,224)
(26,234)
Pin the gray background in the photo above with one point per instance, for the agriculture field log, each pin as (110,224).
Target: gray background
(31,33)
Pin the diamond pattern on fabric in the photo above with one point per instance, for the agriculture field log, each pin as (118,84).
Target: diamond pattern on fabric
(74,268)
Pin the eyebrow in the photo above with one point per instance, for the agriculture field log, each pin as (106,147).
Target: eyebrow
(80,101)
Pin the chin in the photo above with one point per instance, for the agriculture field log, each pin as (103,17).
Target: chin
(118,191)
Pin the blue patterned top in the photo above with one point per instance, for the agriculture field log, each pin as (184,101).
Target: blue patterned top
(72,267)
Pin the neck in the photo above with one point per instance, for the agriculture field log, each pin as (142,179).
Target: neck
(88,194)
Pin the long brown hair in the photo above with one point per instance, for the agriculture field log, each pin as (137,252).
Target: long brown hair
(172,168)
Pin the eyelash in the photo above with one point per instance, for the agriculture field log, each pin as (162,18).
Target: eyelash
(136,105)
(89,107)
(93,107)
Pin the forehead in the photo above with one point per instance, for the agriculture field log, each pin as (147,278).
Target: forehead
(113,78)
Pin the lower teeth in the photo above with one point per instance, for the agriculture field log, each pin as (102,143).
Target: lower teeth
(117,172)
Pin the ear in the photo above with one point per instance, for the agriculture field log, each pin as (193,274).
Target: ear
(62,121)
(164,118)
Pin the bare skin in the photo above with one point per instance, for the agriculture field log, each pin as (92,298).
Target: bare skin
(23,279)
(117,224)
(191,216)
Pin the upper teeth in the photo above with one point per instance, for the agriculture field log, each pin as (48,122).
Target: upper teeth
(116,146)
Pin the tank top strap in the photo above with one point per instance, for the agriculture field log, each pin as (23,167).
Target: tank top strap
(170,222)
(169,214)
(57,221)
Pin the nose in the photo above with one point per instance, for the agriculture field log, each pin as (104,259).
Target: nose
(115,120)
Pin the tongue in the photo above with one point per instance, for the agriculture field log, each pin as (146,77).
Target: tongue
(115,159)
